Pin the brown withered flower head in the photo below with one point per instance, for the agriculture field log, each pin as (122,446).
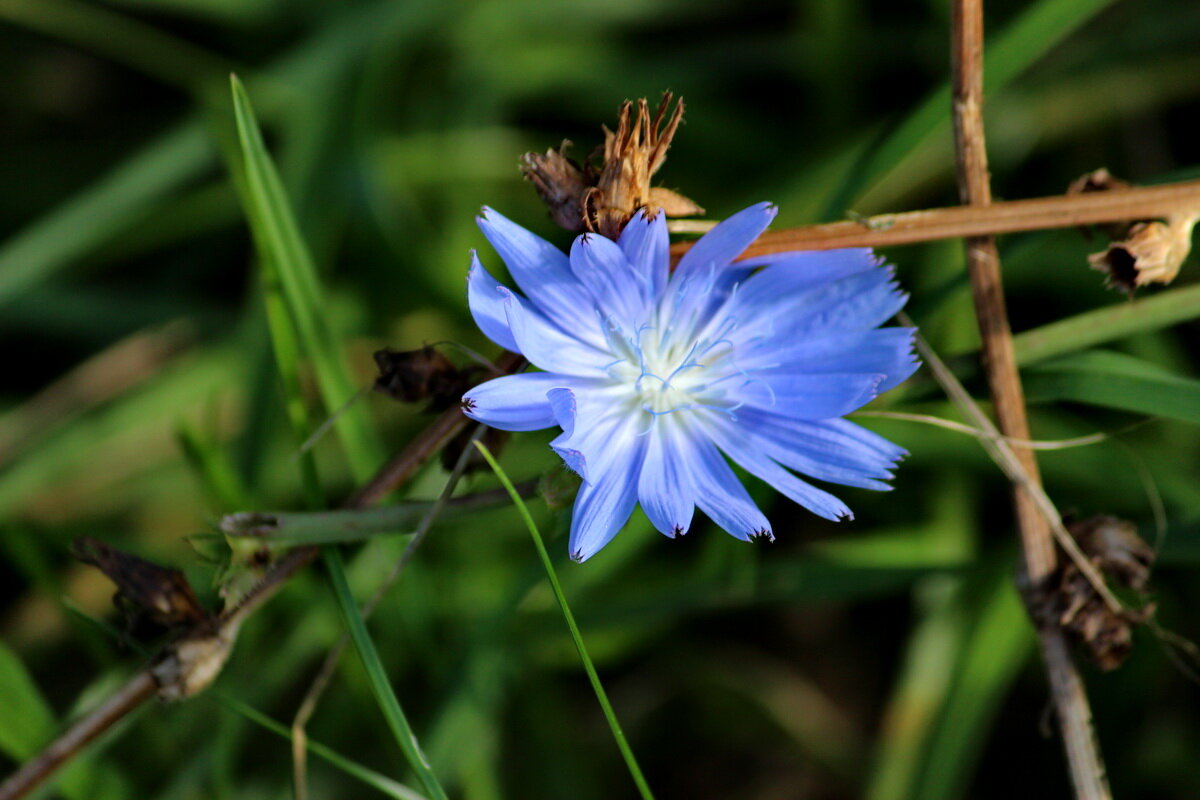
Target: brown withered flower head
(1123,557)
(1141,251)
(1153,252)
(603,198)
(411,376)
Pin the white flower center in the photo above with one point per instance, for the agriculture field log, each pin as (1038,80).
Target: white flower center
(667,374)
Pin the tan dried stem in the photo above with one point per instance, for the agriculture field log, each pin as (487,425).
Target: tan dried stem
(999,362)
(955,222)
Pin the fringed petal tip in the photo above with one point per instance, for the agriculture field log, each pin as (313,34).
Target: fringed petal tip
(575,460)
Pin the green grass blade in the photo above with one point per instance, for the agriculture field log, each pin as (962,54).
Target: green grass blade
(293,313)
(27,723)
(1116,380)
(1108,324)
(377,677)
(619,735)
(27,720)
(110,206)
(368,776)
(1000,642)
(280,245)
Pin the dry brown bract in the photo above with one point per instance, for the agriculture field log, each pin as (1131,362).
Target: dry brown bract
(603,199)
(164,596)
(1114,546)
(411,376)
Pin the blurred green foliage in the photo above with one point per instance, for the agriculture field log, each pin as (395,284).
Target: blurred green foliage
(888,658)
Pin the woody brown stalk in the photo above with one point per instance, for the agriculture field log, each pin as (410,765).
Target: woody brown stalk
(1004,383)
(1014,216)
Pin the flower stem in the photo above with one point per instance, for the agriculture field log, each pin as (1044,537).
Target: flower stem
(619,735)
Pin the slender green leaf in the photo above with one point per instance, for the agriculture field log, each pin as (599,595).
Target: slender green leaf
(1000,642)
(27,721)
(618,734)
(1029,37)
(1116,380)
(281,246)
(108,207)
(368,776)
(377,676)
(1108,324)
(119,37)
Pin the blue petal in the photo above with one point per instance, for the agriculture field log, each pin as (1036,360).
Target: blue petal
(834,441)
(665,489)
(766,318)
(595,428)
(882,351)
(720,246)
(603,506)
(705,275)
(487,305)
(814,465)
(546,345)
(788,273)
(514,402)
(721,496)
(602,267)
(803,396)
(541,271)
(757,463)
(648,247)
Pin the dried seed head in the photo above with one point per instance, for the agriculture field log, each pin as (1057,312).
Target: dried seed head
(160,595)
(1098,180)
(1114,546)
(1152,253)
(561,183)
(604,198)
(411,376)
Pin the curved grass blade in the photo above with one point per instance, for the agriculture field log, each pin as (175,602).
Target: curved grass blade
(110,206)
(368,776)
(377,677)
(1116,380)
(619,735)
(1107,324)
(284,252)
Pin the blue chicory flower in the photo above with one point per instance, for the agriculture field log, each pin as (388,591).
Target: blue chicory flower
(652,375)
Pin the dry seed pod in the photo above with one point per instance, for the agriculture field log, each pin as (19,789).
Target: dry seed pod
(604,198)
(411,376)
(162,594)
(1152,253)
(1114,546)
